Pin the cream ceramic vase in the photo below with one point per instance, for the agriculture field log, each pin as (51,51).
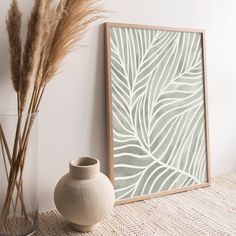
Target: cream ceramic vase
(84,196)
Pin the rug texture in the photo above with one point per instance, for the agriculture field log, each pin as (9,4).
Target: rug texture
(209,211)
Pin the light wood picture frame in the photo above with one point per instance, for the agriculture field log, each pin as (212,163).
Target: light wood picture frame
(157,112)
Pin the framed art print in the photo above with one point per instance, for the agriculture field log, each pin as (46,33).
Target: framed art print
(157,110)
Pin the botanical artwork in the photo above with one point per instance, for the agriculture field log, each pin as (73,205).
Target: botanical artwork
(158,110)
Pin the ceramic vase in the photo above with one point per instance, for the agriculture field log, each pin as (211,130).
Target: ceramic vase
(84,196)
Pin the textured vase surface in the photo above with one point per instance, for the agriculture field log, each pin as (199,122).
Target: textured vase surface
(84,196)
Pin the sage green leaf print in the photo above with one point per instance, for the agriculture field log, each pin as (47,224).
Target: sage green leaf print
(157,110)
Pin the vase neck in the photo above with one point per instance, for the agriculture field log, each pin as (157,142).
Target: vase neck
(84,168)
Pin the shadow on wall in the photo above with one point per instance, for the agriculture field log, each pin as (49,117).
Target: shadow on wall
(98,136)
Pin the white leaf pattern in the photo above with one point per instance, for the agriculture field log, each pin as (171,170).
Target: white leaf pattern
(157,110)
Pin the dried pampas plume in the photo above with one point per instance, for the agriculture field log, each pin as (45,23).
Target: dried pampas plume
(75,18)
(31,54)
(53,31)
(13,22)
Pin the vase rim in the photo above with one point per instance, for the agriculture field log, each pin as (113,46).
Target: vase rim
(12,114)
(84,162)
(84,167)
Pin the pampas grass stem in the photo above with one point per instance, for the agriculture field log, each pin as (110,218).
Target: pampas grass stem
(5,146)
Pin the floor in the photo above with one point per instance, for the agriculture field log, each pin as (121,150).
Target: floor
(209,211)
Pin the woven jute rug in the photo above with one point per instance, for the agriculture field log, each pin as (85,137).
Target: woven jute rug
(209,211)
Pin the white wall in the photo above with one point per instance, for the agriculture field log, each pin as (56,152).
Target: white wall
(72,115)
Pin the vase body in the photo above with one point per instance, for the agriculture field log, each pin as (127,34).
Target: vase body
(84,196)
(18,174)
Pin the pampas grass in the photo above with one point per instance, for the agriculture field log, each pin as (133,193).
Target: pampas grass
(31,54)
(13,22)
(54,30)
(76,16)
